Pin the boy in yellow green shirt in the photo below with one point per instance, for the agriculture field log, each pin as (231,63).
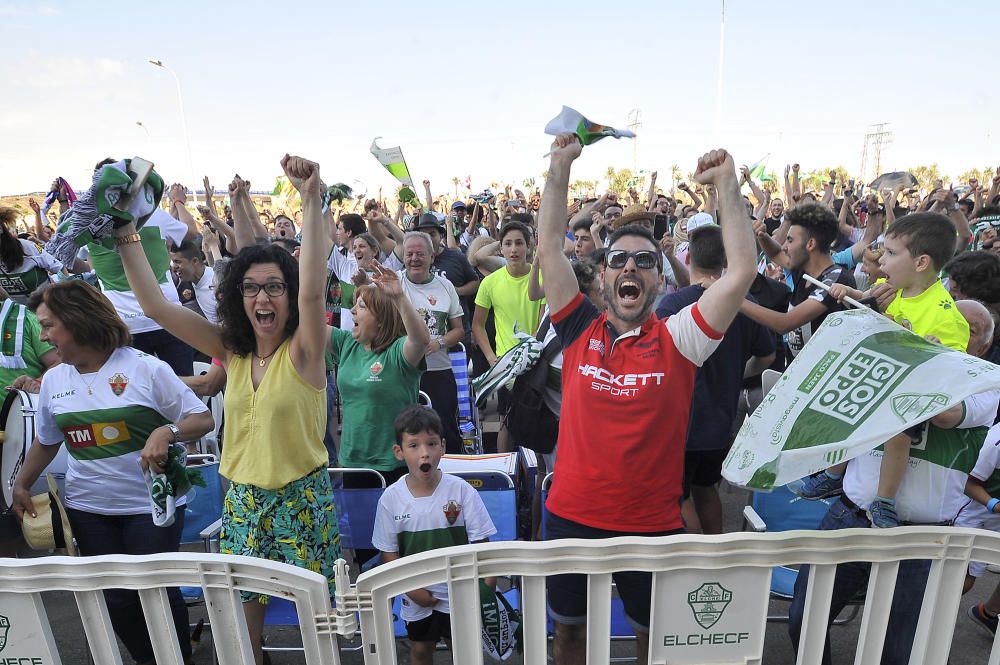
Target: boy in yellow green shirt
(916,248)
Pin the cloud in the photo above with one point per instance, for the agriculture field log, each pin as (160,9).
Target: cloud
(49,72)
(27,11)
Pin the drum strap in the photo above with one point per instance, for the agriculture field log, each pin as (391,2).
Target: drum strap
(12,327)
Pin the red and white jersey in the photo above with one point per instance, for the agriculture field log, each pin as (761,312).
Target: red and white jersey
(626,400)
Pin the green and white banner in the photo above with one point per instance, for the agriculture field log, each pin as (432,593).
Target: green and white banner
(859,381)
(392,160)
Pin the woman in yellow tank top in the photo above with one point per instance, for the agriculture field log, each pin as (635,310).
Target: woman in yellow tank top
(270,337)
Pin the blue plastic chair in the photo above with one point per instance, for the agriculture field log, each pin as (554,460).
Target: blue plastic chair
(356,520)
(780,510)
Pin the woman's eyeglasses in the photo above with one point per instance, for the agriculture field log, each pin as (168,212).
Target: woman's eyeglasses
(273,289)
(644,259)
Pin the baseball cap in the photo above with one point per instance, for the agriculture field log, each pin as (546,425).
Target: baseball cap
(699,219)
(458,204)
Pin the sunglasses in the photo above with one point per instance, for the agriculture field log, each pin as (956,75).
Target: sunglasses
(644,259)
(273,289)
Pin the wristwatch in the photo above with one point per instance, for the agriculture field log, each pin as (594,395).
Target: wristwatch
(175,430)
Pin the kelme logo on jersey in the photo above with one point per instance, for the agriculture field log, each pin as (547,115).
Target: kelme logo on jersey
(96,434)
(118,383)
(708,602)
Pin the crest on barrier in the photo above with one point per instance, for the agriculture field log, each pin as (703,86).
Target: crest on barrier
(708,602)
(4,627)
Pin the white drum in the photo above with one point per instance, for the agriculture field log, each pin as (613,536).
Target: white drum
(18,419)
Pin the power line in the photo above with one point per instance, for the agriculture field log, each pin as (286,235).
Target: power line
(634,123)
(876,137)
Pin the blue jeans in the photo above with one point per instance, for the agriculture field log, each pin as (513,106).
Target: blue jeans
(133,534)
(167,348)
(852,579)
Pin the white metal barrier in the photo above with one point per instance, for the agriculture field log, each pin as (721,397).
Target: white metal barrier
(27,634)
(710,593)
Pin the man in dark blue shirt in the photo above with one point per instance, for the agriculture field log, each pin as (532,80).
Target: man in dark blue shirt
(747,349)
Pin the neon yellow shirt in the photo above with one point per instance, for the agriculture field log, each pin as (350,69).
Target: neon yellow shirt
(933,312)
(512,309)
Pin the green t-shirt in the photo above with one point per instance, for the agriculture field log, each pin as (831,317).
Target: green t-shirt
(374,388)
(507,296)
(31,352)
(933,312)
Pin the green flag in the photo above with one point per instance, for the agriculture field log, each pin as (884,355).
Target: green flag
(392,159)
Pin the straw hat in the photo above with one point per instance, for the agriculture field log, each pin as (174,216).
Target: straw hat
(51,529)
(632,214)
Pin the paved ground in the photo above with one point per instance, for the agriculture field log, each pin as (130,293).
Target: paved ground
(970,647)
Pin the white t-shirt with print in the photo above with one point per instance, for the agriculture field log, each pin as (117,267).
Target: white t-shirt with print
(453,515)
(105,418)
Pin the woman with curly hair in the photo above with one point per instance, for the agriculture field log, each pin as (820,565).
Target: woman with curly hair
(271,338)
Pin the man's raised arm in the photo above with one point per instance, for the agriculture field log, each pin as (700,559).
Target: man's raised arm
(721,302)
(560,283)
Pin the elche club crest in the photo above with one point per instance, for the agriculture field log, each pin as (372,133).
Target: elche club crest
(708,602)
(451,511)
(118,383)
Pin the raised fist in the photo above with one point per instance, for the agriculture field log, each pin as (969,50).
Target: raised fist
(33,204)
(566,147)
(177,192)
(303,174)
(715,167)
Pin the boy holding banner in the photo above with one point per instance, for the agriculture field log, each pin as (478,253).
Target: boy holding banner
(916,248)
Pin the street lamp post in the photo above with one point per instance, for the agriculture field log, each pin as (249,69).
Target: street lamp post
(180,102)
(718,77)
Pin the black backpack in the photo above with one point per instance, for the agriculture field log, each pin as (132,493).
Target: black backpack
(529,421)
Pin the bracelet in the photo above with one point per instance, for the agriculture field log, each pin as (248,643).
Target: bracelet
(127,239)
(992,503)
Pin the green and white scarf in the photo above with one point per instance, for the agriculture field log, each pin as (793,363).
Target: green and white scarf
(12,322)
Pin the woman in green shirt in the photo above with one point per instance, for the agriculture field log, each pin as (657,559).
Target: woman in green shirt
(380,362)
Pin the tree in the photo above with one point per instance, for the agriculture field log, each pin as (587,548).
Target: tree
(456,181)
(619,181)
(529,184)
(583,188)
(815,180)
(984,176)
(926,176)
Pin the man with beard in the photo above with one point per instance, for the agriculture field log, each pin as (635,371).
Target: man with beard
(774,215)
(630,376)
(806,251)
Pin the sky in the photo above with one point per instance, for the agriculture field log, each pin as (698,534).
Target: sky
(466,88)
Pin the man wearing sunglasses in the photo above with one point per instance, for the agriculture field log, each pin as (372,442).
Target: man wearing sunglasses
(627,383)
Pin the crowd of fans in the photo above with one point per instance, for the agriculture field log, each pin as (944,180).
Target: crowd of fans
(666,310)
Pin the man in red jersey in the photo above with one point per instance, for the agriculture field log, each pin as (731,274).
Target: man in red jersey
(627,382)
